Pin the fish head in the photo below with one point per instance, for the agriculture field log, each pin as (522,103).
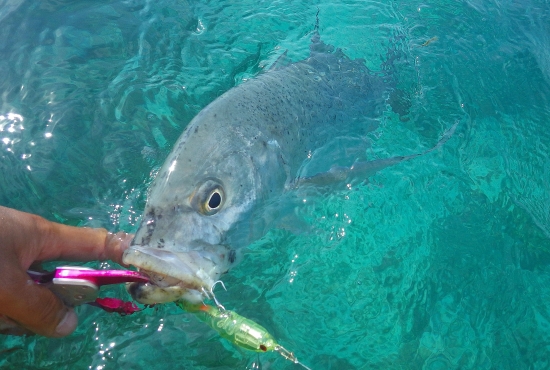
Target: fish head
(187,238)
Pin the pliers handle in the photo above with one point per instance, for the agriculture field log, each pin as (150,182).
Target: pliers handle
(79,285)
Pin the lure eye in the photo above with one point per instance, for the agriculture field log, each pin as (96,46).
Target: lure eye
(209,197)
(263,347)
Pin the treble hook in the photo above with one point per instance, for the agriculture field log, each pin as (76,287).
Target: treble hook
(212,296)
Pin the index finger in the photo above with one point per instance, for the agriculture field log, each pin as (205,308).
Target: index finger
(83,243)
(35,238)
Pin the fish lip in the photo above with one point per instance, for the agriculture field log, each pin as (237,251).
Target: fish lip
(189,268)
(147,293)
(161,280)
(162,288)
(173,275)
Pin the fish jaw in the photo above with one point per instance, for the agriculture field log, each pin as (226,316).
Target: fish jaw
(176,275)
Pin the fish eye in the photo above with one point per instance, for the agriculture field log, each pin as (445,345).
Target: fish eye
(215,201)
(209,197)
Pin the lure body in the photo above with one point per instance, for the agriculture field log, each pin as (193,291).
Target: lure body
(237,329)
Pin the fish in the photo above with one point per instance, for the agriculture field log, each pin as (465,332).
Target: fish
(242,153)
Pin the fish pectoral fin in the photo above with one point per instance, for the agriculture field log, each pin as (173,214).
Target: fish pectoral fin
(340,174)
(336,174)
(363,169)
(281,62)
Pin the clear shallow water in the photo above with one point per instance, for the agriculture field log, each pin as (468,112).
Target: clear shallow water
(437,263)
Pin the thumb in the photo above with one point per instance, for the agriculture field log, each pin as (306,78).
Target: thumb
(36,308)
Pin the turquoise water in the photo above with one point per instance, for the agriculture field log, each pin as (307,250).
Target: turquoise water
(441,262)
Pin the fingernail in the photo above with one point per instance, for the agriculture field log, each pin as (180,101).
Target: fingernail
(68,324)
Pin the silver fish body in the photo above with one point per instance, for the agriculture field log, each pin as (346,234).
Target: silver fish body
(240,152)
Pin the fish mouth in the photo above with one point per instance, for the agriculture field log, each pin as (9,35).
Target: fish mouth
(173,275)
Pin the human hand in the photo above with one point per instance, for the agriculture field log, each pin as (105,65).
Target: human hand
(25,239)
